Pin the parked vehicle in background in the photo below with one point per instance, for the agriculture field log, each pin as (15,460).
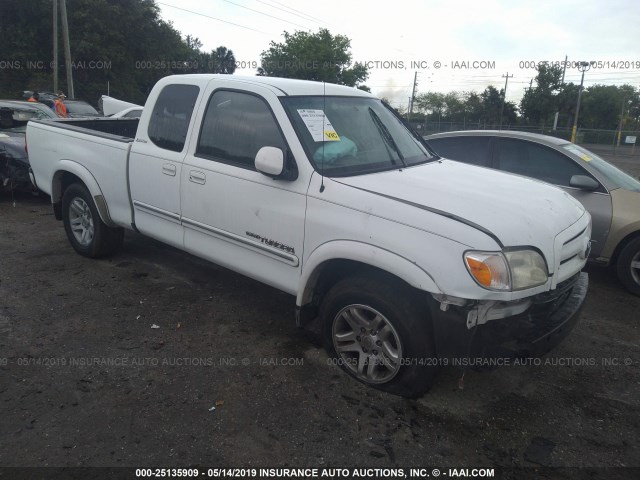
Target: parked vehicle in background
(133,112)
(319,190)
(80,109)
(24,111)
(14,162)
(46,98)
(113,107)
(610,195)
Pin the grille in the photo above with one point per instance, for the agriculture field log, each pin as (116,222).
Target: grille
(570,246)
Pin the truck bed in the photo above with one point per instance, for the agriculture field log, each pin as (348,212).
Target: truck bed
(95,150)
(120,129)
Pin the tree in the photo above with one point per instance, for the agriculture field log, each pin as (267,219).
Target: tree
(473,107)
(222,61)
(126,46)
(431,103)
(317,56)
(566,104)
(492,105)
(603,104)
(539,104)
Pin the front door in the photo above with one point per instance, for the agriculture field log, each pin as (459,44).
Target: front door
(232,214)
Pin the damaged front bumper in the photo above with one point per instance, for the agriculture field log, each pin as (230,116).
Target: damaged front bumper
(529,328)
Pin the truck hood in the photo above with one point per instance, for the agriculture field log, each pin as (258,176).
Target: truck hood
(512,209)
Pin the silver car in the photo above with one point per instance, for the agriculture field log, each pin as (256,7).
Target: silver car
(610,195)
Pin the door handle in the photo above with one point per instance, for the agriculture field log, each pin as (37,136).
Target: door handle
(197,177)
(169,169)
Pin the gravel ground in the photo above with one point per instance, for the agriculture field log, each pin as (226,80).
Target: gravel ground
(85,379)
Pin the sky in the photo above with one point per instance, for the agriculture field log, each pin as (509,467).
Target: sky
(452,45)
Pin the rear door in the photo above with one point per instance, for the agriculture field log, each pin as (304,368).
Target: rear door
(544,163)
(155,163)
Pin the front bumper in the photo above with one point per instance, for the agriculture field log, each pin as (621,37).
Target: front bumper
(532,333)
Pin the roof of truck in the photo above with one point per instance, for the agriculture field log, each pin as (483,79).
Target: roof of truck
(285,86)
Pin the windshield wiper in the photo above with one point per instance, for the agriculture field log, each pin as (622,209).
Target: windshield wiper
(386,135)
(419,138)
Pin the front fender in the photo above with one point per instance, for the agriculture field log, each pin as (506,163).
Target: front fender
(364,253)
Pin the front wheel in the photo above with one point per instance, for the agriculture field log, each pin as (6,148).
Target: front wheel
(87,233)
(379,332)
(628,266)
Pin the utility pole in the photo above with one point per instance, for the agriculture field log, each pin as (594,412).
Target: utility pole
(507,77)
(555,119)
(67,48)
(55,46)
(413,95)
(621,120)
(582,67)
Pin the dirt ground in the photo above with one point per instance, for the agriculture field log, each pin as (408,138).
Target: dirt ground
(85,379)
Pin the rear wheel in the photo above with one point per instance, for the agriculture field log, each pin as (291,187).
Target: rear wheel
(628,266)
(87,233)
(379,332)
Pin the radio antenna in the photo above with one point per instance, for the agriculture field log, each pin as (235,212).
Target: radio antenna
(324,115)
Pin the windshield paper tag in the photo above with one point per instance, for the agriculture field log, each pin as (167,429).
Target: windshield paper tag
(318,125)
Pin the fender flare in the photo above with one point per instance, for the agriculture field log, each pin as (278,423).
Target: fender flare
(80,171)
(364,253)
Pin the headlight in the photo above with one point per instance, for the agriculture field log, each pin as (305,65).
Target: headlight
(511,270)
(528,269)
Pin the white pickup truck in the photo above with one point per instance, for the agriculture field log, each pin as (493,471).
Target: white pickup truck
(407,260)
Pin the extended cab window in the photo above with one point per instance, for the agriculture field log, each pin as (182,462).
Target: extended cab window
(171,115)
(473,150)
(235,126)
(537,161)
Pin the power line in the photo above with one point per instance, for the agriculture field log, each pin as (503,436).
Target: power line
(299,11)
(609,71)
(307,18)
(266,14)
(213,18)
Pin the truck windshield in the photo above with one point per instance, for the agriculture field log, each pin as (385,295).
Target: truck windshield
(346,136)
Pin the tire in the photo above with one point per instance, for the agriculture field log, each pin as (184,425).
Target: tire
(393,350)
(628,266)
(87,233)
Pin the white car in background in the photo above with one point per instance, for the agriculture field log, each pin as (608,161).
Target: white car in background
(114,108)
(132,112)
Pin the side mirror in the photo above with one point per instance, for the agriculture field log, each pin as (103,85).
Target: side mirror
(584,183)
(271,161)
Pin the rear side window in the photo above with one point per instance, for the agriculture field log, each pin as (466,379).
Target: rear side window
(537,161)
(171,115)
(473,150)
(237,125)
